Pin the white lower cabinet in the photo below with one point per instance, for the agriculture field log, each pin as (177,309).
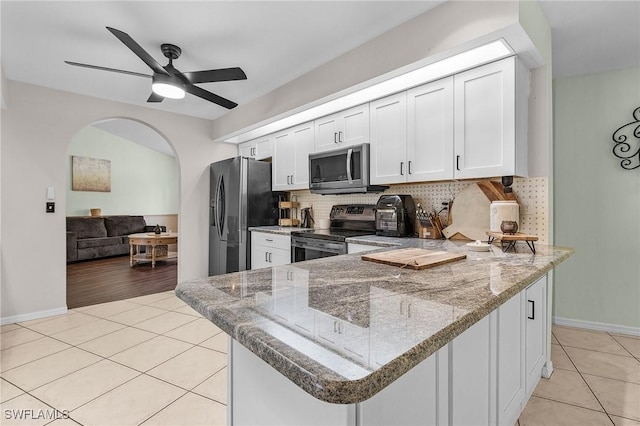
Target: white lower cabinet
(536,332)
(269,249)
(470,393)
(484,376)
(510,360)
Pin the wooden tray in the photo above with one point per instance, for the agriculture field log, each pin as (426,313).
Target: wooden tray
(414,258)
(288,204)
(288,222)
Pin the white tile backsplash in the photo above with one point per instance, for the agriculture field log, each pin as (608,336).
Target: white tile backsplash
(532,194)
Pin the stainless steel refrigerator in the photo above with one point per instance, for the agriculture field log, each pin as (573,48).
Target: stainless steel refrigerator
(240,197)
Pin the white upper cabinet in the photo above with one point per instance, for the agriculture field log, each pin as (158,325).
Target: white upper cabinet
(259,149)
(290,167)
(430,131)
(349,127)
(490,120)
(412,135)
(388,132)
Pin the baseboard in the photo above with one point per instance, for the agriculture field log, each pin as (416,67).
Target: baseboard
(599,326)
(33,315)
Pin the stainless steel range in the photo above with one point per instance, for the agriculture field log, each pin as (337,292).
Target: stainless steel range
(346,221)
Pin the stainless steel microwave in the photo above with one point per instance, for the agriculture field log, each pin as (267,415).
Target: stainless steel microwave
(341,171)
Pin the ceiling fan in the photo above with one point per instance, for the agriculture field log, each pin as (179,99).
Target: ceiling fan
(169,82)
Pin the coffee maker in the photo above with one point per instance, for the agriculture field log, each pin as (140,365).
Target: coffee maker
(395,216)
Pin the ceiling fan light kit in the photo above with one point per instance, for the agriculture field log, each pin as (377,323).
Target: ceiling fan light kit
(169,82)
(167,86)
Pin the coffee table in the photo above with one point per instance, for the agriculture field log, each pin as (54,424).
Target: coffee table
(153,243)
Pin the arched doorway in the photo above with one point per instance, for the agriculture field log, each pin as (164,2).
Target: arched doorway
(123,178)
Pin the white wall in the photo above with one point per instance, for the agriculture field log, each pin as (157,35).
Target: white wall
(597,203)
(143,181)
(37,126)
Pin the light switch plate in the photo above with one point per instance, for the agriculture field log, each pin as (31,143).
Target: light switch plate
(51,207)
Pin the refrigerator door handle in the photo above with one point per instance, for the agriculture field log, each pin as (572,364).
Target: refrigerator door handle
(349,154)
(220,197)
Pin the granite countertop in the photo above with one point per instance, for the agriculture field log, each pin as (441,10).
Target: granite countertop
(288,315)
(282,230)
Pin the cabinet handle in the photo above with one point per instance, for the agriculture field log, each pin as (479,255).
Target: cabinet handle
(409,167)
(401,308)
(409,310)
(268,239)
(266,256)
(340,137)
(269,257)
(533,309)
(291,179)
(335,137)
(288,179)
(457,162)
(335,326)
(402,168)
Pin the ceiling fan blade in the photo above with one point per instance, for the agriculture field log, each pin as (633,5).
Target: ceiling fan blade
(154,97)
(201,93)
(223,74)
(138,50)
(96,67)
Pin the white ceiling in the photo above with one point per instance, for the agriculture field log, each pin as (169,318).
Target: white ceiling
(273,42)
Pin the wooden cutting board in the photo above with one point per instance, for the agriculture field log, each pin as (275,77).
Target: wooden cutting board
(413,258)
(469,213)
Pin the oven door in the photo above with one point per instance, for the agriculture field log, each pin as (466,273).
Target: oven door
(304,248)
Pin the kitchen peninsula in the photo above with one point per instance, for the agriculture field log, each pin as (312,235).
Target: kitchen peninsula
(343,341)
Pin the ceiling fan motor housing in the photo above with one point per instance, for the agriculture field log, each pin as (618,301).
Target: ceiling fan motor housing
(170,51)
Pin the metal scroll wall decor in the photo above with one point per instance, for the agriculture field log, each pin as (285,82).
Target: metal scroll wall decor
(627,139)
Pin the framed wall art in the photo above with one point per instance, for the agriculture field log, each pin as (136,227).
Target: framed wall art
(90,174)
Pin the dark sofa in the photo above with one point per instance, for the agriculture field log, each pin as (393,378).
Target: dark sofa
(97,237)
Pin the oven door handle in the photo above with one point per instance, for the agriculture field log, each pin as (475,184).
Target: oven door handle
(337,248)
(349,154)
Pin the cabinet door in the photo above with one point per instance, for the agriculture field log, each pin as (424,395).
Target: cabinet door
(264,147)
(259,257)
(279,257)
(303,137)
(536,332)
(388,133)
(430,131)
(326,129)
(283,161)
(247,149)
(344,128)
(510,362)
(484,131)
(470,370)
(355,126)
(416,398)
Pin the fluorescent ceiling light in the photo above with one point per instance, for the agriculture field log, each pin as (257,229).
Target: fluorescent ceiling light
(167,86)
(480,55)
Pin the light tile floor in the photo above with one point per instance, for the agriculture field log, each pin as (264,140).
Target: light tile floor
(152,360)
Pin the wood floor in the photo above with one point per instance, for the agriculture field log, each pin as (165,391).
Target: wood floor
(105,280)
